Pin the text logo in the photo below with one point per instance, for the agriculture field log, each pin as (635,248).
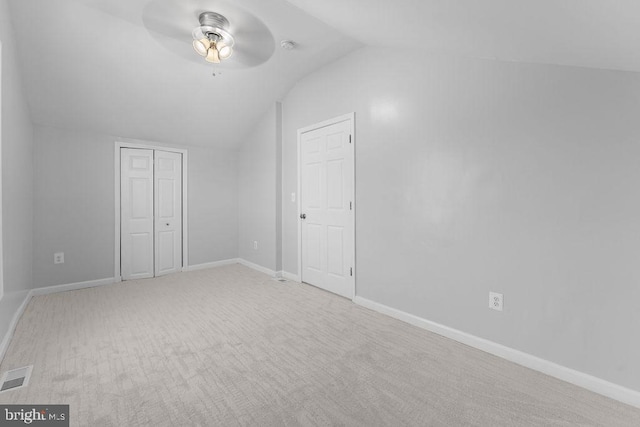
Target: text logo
(37,415)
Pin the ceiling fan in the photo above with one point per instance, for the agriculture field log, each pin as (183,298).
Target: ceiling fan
(170,22)
(211,39)
(224,33)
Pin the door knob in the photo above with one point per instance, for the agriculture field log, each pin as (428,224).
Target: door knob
(167,224)
(303,216)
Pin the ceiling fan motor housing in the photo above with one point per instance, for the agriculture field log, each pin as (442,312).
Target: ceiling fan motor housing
(212,19)
(213,27)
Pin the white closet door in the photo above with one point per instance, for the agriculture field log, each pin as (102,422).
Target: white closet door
(136,191)
(168,212)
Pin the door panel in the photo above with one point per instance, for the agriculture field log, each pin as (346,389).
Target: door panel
(335,141)
(138,202)
(166,259)
(168,208)
(335,253)
(335,185)
(326,171)
(136,238)
(166,196)
(313,242)
(313,187)
(140,243)
(151,213)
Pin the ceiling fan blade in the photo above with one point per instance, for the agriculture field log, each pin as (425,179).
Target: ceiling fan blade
(130,11)
(251,51)
(168,28)
(176,19)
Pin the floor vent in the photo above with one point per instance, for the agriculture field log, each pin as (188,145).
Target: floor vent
(16,378)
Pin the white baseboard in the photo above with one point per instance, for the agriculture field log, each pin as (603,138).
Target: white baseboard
(4,345)
(211,264)
(244,262)
(290,276)
(72,286)
(256,267)
(589,382)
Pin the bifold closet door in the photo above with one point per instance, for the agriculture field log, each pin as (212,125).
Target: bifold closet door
(136,219)
(168,212)
(151,213)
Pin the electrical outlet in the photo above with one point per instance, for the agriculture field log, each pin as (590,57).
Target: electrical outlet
(255,245)
(58,258)
(495,301)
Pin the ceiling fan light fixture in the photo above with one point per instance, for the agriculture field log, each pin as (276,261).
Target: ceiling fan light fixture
(212,38)
(201,46)
(213,55)
(224,51)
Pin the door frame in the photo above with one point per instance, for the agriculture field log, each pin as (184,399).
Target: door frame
(185,218)
(351,117)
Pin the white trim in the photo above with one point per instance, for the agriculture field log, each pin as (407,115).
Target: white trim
(299,205)
(589,382)
(257,267)
(72,286)
(351,117)
(290,276)
(4,345)
(212,264)
(185,204)
(328,122)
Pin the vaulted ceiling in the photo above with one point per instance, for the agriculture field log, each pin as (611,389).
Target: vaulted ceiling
(109,65)
(584,33)
(100,65)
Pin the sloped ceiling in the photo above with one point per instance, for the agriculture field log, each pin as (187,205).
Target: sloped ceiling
(93,64)
(584,33)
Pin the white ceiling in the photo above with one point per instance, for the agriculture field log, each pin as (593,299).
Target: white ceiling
(585,33)
(93,64)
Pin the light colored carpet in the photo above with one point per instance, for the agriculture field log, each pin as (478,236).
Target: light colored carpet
(230,346)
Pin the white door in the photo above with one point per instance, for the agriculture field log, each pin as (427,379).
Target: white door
(136,192)
(326,200)
(168,212)
(151,213)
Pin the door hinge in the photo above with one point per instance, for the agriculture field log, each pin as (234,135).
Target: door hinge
(350,206)
(351,271)
(349,139)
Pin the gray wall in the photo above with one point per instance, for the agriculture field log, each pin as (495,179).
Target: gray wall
(17,180)
(213,205)
(74,192)
(17,167)
(478,175)
(74,189)
(258,192)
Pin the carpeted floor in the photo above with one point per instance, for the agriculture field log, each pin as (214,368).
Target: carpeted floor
(230,346)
